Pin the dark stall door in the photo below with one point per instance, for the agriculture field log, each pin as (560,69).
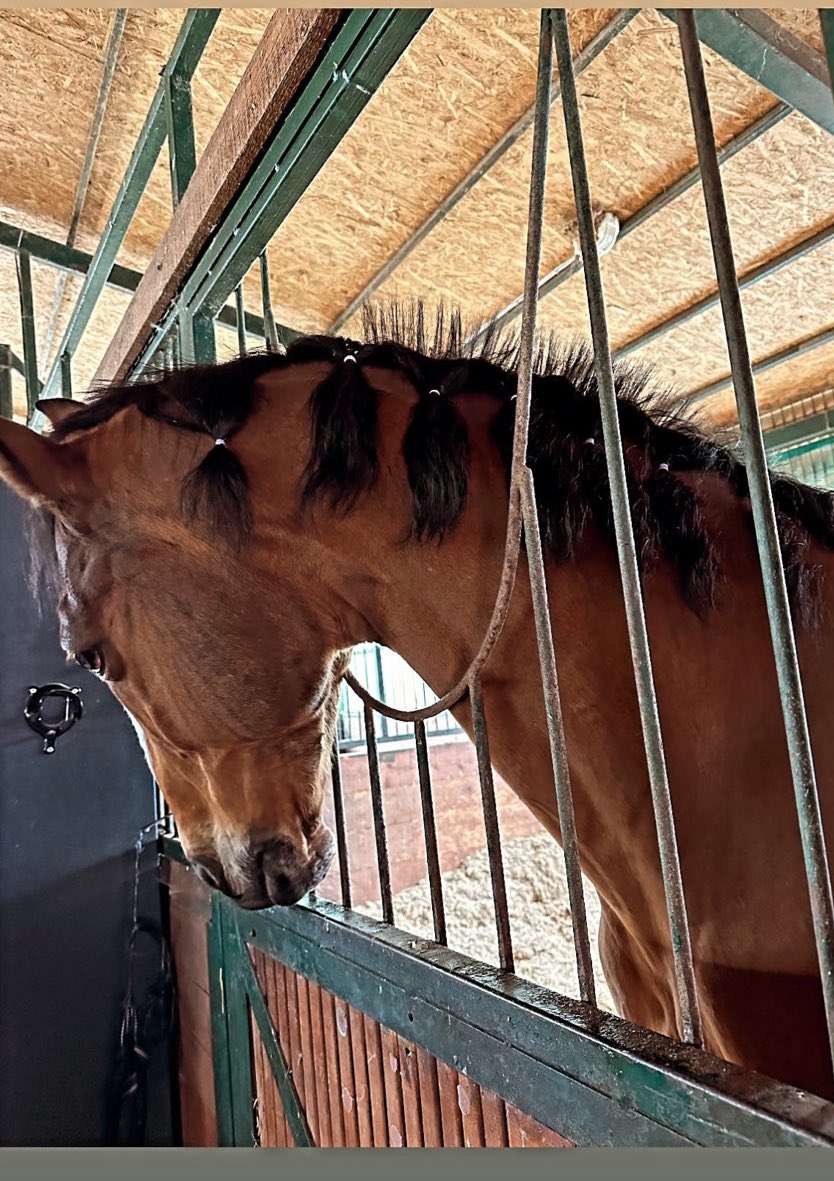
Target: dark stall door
(68,827)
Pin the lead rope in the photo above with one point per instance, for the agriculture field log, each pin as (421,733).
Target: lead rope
(144,1025)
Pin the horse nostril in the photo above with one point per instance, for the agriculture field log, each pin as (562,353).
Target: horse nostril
(281,884)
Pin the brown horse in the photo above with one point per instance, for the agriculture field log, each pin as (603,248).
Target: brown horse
(223,535)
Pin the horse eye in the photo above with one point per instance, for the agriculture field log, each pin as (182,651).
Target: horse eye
(91,659)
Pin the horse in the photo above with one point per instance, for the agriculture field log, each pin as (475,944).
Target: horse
(219,537)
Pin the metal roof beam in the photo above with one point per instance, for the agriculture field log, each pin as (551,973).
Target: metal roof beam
(771,55)
(62,257)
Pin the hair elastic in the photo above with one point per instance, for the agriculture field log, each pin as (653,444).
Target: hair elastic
(220,442)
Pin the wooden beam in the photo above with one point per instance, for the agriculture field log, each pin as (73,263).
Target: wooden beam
(288,51)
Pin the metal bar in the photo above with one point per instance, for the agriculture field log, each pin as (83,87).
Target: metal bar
(6,400)
(66,375)
(535,559)
(632,593)
(763,271)
(800,430)
(770,54)
(196,339)
(510,137)
(826,16)
(493,836)
(380,834)
(114,42)
(270,331)
(341,826)
(27,328)
(800,449)
(240,317)
(438,909)
(296,1119)
(789,353)
(220,1049)
(179,123)
(63,258)
(767,534)
(569,267)
(235,957)
(558,747)
(191,41)
(366,47)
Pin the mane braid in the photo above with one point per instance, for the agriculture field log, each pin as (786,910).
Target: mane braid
(443,359)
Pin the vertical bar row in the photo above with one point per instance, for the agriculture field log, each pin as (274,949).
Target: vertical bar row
(626,552)
(380,834)
(535,558)
(271,338)
(496,862)
(341,826)
(27,326)
(764,519)
(6,399)
(430,833)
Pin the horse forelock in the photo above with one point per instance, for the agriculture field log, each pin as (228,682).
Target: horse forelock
(443,361)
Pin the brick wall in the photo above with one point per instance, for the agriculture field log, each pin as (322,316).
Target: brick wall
(459,817)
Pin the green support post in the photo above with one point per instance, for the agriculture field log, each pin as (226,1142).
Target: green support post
(27,325)
(221,1055)
(179,120)
(185,56)
(6,401)
(827,26)
(270,332)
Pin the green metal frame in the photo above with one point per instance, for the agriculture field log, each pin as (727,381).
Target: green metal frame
(185,57)
(771,55)
(590,1076)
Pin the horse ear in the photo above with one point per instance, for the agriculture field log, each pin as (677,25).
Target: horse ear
(40,470)
(57,409)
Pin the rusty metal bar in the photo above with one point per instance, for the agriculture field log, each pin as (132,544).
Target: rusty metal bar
(430,833)
(240,320)
(380,833)
(341,827)
(764,518)
(493,836)
(271,338)
(626,552)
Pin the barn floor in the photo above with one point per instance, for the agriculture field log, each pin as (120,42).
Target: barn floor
(539,914)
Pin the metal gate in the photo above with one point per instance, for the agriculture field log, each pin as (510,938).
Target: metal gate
(587,1076)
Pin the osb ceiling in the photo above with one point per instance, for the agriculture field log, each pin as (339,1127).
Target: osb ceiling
(467,76)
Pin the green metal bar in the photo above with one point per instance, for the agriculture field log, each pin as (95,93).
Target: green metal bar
(602,1080)
(66,375)
(363,51)
(63,258)
(785,653)
(827,26)
(179,122)
(510,137)
(27,326)
(770,54)
(293,1110)
(240,317)
(270,329)
(241,1073)
(799,431)
(219,1027)
(798,449)
(194,33)
(196,339)
(6,400)
(789,353)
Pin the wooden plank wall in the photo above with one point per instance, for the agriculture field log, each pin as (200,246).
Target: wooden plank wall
(360,1084)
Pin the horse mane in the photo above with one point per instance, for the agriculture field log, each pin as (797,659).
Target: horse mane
(443,362)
